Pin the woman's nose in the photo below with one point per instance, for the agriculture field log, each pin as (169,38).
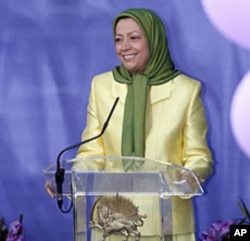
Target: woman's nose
(125,44)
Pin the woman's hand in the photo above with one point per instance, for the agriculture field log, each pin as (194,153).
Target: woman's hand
(190,179)
(200,179)
(50,190)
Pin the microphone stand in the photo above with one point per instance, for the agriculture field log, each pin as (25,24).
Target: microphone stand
(59,174)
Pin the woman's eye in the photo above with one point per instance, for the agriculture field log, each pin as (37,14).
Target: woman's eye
(117,40)
(134,37)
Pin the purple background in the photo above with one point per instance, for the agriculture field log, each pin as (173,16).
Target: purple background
(49,52)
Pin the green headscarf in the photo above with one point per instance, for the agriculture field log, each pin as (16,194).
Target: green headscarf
(159,70)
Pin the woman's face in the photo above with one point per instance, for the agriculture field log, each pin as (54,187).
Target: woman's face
(131,46)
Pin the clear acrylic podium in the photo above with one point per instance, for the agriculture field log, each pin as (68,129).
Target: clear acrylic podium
(114,205)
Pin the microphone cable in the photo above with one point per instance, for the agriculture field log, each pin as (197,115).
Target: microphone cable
(59,174)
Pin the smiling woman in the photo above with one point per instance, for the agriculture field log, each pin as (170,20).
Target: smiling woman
(159,116)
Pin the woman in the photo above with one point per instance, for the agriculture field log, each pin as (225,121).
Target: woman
(159,104)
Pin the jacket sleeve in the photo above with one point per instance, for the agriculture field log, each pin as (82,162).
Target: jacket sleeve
(196,154)
(92,129)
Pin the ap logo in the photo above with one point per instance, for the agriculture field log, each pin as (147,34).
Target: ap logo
(240,233)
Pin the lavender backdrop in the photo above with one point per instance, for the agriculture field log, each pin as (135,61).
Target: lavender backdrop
(49,52)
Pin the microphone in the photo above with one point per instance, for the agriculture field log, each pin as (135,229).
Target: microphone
(59,175)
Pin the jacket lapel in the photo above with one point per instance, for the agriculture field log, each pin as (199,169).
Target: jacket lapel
(160,92)
(119,90)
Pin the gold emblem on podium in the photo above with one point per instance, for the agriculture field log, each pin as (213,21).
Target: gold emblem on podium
(116,215)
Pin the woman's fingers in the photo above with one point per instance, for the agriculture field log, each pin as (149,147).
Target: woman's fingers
(50,190)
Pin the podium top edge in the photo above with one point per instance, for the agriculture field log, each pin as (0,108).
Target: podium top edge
(110,158)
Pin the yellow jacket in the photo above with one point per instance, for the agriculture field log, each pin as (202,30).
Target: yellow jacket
(175,132)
